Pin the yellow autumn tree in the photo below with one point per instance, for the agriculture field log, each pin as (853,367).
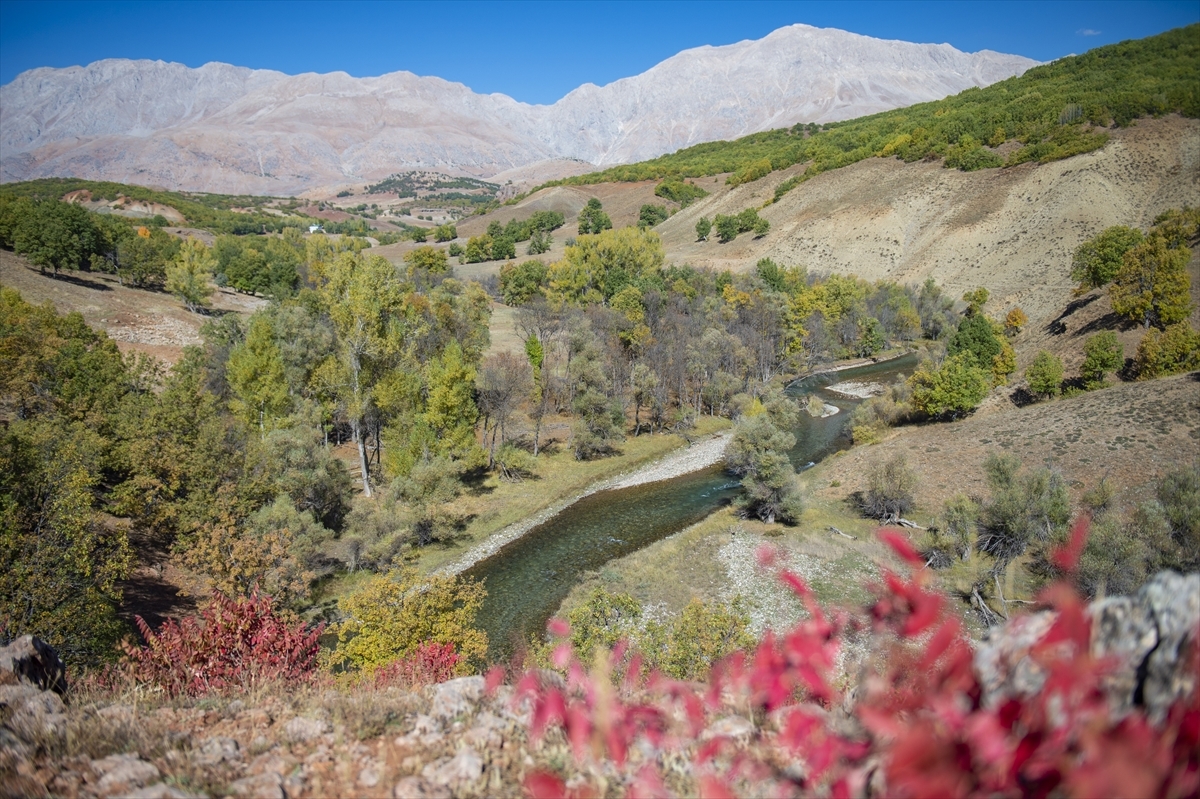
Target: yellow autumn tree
(395,613)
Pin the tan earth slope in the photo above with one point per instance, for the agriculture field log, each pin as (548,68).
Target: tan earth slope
(1011,230)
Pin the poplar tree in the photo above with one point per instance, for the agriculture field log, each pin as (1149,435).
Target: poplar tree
(256,375)
(365,301)
(189,275)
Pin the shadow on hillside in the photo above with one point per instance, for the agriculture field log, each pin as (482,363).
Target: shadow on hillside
(1058,326)
(1110,321)
(75,280)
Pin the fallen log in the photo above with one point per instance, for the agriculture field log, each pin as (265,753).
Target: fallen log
(833,529)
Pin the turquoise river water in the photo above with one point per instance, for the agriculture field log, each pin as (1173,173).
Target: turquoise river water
(528,579)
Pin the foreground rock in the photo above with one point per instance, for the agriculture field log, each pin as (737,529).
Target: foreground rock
(457,740)
(1151,637)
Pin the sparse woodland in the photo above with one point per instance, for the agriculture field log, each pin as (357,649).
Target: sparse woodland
(325,440)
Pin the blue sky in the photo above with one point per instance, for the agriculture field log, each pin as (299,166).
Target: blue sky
(533,51)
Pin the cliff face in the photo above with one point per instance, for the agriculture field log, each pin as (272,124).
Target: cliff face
(230,129)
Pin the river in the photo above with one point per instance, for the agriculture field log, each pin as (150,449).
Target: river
(528,579)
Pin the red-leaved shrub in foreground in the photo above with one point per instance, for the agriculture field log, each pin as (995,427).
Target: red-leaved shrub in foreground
(919,725)
(232,644)
(431,663)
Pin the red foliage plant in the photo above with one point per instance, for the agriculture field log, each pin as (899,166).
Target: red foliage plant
(234,643)
(430,663)
(920,724)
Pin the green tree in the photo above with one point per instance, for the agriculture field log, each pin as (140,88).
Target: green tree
(60,565)
(761,227)
(592,218)
(596,268)
(1098,259)
(479,249)
(703,228)
(256,375)
(1045,375)
(1101,353)
(450,410)
(650,215)
(365,302)
(446,232)
(393,614)
(975,300)
(977,339)
(951,390)
(54,234)
(503,248)
(757,452)
(727,228)
(519,283)
(189,276)
(1152,287)
(1174,350)
(431,259)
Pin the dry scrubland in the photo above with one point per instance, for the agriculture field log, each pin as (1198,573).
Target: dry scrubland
(152,322)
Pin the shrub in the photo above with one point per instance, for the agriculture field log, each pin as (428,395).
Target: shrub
(1174,350)
(1026,507)
(1045,375)
(1101,353)
(920,723)
(428,664)
(396,614)
(889,489)
(234,644)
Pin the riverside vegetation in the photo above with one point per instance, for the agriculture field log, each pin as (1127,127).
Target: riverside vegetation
(227,460)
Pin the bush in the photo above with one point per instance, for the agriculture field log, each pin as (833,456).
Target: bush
(1101,353)
(1174,350)
(1045,375)
(919,722)
(394,615)
(429,663)
(889,490)
(1025,508)
(233,645)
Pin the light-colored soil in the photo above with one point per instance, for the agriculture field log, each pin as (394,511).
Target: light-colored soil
(152,322)
(1132,433)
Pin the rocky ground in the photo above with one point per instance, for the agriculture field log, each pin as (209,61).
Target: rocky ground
(456,738)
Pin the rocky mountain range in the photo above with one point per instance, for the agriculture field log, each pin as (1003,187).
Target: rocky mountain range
(223,128)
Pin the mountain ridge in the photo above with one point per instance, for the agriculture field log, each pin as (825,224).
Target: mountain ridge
(221,127)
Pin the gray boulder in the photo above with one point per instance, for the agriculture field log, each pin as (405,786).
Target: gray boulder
(32,660)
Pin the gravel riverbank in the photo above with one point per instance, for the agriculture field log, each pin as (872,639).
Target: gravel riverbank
(698,455)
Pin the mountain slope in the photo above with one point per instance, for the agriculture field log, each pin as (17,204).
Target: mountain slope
(229,129)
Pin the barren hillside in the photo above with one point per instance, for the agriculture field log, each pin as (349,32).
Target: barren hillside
(1132,433)
(1011,230)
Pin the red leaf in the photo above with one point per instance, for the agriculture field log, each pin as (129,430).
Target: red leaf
(1067,556)
(901,546)
(558,627)
(712,787)
(544,785)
